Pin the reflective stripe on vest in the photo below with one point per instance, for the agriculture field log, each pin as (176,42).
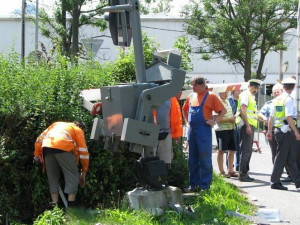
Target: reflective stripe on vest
(251,111)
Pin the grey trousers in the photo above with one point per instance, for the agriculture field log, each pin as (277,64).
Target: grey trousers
(246,143)
(67,163)
(286,155)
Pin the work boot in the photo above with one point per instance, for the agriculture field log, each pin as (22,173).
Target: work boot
(243,177)
(278,186)
(52,205)
(72,204)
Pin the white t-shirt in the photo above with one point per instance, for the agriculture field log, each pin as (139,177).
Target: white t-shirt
(244,99)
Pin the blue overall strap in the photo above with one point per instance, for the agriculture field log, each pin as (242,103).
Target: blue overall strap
(204,99)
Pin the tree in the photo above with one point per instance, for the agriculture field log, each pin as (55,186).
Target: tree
(242,32)
(64,32)
(182,44)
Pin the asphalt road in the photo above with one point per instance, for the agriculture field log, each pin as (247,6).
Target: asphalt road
(260,193)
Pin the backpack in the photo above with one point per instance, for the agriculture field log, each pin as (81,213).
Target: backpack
(151,173)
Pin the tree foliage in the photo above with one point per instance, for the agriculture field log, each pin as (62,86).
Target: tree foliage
(182,44)
(63,26)
(123,69)
(240,31)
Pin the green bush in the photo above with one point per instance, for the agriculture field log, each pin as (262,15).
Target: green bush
(51,217)
(123,69)
(31,98)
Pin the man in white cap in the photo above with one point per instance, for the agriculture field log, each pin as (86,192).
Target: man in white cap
(247,120)
(265,113)
(283,115)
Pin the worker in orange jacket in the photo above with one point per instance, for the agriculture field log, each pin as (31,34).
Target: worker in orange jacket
(60,147)
(168,116)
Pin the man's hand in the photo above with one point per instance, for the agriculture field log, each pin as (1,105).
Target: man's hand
(249,130)
(297,136)
(37,159)
(269,135)
(232,119)
(82,179)
(211,122)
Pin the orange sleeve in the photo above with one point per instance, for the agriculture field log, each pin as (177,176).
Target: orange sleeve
(175,119)
(212,103)
(84,155)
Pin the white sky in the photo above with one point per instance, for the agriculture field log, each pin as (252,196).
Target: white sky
(9,6)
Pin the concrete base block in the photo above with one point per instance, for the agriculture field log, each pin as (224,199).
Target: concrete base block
(143,199)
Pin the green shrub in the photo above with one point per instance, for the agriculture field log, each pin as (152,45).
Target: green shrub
(123,69)
(31,98)
(51,217)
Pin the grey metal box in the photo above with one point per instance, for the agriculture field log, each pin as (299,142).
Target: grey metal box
(119,102)
(138,132)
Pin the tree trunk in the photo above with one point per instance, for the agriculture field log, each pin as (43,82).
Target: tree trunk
(75,31)
(247,72)
(259,74)
(65,41)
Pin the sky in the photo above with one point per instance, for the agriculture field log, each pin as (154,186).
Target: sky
(9,6)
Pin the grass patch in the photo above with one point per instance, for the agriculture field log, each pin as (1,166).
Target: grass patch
(210,208)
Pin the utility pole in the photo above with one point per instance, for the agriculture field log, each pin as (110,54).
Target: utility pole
(36,26)
(23,30)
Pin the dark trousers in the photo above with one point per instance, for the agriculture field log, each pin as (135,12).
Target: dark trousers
(273,146)
(237,150)
(246,142)
(286,155)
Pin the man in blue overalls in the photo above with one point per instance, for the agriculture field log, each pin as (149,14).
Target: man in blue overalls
(197,111)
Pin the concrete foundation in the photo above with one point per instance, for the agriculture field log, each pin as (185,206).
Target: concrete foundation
(144,199)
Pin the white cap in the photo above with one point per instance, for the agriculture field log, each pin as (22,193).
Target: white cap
(255,81)
(289,80)
(277,86)
(220,89)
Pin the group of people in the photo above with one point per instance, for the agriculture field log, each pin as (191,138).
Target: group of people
(62,145)
(236,118)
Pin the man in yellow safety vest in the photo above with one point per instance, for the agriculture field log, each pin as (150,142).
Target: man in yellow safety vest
(247,120)
(284,115)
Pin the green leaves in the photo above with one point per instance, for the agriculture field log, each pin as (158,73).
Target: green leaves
(241,32)
(51,217)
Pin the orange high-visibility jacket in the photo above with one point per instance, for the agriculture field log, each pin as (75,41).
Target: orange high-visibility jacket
(67,137)
(175,119)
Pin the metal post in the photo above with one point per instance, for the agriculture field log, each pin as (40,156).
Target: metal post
(36,26)
(23,30)
(298,66)
(138,43)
